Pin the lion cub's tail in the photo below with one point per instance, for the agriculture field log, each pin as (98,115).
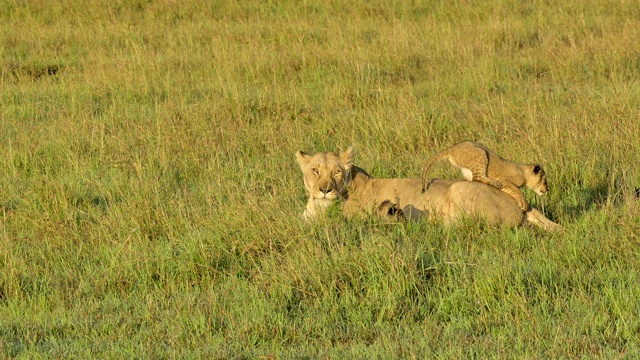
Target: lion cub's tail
(439,156)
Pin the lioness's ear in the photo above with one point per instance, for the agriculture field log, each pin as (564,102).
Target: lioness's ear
(347,158)
(537,168)
(303,158)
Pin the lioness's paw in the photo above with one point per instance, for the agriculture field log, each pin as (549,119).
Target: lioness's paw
(389,209)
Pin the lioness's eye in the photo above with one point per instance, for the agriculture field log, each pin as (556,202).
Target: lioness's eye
(315,171)
(337,172)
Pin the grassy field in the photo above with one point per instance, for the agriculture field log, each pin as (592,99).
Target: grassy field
(150,200)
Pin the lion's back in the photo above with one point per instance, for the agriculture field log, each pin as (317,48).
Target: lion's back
(478,198)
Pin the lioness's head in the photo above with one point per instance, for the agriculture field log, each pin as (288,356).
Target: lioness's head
(326,175)
(536,179)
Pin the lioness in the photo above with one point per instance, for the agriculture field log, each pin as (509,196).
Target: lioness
(329,176)
(479,163)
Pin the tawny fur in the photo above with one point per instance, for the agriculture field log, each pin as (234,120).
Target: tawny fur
(449,200)
(326,176)
(479,163)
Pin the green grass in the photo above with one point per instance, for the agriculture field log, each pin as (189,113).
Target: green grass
(150,200)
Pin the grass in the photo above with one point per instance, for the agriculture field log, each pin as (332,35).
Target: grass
(150,199)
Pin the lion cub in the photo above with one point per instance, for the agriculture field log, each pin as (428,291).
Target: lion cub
(478,163)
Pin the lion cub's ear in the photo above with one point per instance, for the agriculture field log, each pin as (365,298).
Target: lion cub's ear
(346,157)
(303,158)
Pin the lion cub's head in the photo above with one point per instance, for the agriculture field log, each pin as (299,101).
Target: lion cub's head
(536,179)
(326,177)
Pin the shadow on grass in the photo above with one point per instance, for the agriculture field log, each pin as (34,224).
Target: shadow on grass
(587,198)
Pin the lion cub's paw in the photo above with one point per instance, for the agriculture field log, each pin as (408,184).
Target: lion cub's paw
(524,205)
(495,183)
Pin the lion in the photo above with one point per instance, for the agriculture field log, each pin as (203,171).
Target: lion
(479,163)
(326,177)
(331,177)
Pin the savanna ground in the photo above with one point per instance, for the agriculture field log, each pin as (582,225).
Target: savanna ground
(150,201)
